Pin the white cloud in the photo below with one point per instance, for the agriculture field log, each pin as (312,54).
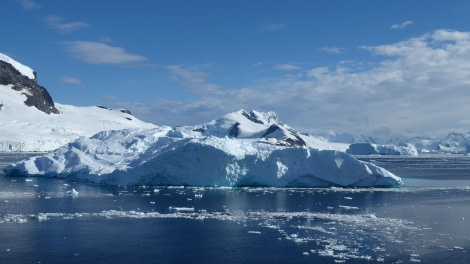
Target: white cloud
(193,79)
(317,72)
(401,25)
(333,50)
(56,23)
(102,53)
(72,80)
(106,39)
(271,27)
(443,35)
(28,4)
(419,85)
(287,67)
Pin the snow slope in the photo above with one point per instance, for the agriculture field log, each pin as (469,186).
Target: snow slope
(24,128)
(27,128)
(239,149)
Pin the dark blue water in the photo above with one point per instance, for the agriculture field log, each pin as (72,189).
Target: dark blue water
(57,221)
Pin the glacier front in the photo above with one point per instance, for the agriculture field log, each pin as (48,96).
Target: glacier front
(240,149)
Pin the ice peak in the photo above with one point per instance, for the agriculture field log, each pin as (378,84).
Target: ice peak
(266,118)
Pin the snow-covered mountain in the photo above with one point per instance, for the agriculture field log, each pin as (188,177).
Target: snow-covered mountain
(239,149)
(31,121)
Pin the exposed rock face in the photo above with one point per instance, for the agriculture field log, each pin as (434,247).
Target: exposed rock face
(252,117)
(286,137)
(234,130)
(36,95)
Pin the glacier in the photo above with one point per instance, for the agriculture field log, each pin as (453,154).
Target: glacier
(240,149)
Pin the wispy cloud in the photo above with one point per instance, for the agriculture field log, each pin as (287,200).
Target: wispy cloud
(193,79)
(332,50)
(28,4)
(401,25)
(56,23)
(419,85)
(102,53)
(72,80)
(287,67)
(271,27)
(106,39)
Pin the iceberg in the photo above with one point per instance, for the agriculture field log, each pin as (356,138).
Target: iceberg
(404,149)
(240,149)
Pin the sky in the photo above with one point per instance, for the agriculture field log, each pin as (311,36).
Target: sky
(361,67)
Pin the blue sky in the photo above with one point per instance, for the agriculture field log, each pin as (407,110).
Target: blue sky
(347,66)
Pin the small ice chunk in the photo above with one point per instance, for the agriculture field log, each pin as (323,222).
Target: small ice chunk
(181,209)
(72,193)
(345,207)
(42,217)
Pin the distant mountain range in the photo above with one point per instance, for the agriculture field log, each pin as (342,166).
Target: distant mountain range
(453,143)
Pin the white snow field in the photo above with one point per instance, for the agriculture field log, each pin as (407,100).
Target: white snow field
(240,149)
(24,128)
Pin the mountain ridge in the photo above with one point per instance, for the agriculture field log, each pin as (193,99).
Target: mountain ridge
(36,95)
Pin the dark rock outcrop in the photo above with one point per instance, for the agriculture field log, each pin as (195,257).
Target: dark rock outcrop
(252,117)
(36,95)
(290,137)
(125,111)
(234,130)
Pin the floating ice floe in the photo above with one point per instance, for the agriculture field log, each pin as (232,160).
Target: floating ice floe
(72,193)
(330,235)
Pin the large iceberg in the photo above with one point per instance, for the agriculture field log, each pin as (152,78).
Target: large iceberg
(240,149)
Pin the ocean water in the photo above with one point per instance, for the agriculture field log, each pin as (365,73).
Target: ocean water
(58,221)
